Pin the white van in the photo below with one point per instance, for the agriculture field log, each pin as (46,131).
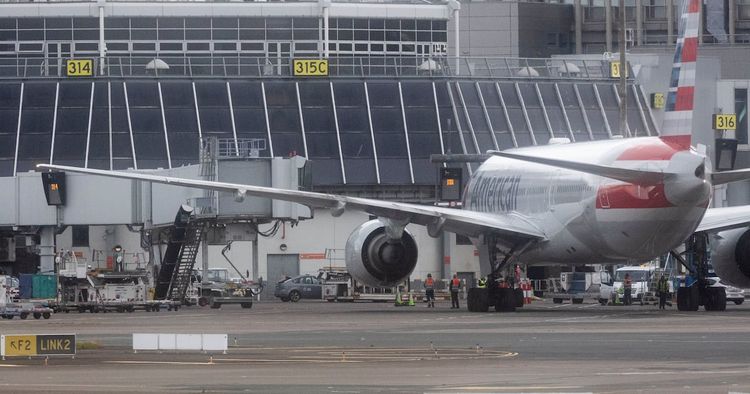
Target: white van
(640,275)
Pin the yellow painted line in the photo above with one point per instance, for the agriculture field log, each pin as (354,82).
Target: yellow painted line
(160,362)
(507,388)
(225,360)
(10,366)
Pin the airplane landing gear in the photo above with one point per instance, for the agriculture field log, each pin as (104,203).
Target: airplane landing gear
(495,294)
(700,292)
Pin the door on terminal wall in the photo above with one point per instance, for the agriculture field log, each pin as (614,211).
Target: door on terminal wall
(278,58)
(278,267)
(55,54)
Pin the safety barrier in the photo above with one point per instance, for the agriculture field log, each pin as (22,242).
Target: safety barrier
(201,342)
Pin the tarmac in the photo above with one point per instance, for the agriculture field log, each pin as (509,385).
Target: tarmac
(321,347)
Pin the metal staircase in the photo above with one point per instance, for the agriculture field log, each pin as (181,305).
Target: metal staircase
(179,258)
(183,269)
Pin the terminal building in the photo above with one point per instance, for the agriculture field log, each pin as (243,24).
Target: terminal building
(207,90)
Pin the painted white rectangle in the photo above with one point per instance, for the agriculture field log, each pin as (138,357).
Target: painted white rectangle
(188,341)
(167,341)
(145,341)
(215,342)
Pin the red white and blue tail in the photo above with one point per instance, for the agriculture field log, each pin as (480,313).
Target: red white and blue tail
(678,116)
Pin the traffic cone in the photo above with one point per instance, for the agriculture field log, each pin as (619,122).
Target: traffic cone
(411,300)
(398,301)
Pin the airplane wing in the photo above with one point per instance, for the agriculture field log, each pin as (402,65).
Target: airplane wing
(718,219)
(464,222)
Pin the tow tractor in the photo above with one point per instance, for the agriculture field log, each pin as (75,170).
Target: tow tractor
(216,289)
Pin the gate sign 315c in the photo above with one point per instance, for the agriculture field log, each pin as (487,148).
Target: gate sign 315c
(37,345)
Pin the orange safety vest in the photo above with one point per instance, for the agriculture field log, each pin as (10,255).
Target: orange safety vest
(456,282)
(429,283)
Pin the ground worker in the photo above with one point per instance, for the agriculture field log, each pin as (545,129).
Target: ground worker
(627,285)
(455,286)
(663,288)
(429,291)
(482,282)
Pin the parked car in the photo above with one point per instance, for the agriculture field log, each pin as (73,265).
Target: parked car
(297,288)
(733,294)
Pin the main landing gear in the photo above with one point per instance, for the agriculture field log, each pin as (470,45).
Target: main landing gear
(700,292)
(496,294)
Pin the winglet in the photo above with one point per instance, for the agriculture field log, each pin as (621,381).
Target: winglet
(638,177)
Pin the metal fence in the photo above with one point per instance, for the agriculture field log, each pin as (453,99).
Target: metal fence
(368,66)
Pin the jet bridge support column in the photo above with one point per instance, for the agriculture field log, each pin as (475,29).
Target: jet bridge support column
(47,250)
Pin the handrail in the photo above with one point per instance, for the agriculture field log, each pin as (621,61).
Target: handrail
(349,66)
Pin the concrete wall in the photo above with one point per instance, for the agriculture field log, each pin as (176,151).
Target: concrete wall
(537,21)
(486,29)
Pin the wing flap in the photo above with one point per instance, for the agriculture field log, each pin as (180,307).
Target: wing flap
(465,222)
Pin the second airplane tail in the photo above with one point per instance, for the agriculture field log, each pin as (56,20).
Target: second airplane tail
(678,115)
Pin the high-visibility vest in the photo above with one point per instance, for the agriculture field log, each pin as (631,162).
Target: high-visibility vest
(456,283)
(429,283)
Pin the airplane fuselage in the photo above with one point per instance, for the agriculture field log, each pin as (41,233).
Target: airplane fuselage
(589,218)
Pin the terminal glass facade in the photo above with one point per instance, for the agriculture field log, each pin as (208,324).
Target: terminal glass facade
(356,132)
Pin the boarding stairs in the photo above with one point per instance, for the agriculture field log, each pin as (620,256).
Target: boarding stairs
(183,271)
(178,261)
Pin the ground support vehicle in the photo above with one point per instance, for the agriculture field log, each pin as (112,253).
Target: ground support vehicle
(575,286)
(217,289)
(339,286)
(10,308)
(100,291)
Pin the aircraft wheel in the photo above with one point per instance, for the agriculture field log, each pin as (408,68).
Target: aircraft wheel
(506,301)
(478,300)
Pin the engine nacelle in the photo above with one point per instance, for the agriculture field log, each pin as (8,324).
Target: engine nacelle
(375,260)
(730,256)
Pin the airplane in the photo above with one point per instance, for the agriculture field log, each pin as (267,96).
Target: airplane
(612,201)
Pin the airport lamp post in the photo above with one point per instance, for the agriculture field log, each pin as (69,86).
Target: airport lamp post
(623,73)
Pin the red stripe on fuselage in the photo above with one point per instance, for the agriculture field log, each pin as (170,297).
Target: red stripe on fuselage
(664,149)
(631,196)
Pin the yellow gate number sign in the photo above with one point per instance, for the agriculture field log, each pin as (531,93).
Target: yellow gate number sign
(614,70)
(310,67)
(725,122)
(79,67)
(657,100)
(37,345)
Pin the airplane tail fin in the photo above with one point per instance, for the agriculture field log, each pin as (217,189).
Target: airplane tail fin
(678,115)
(637,177)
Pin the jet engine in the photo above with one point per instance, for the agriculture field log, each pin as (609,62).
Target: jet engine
(730,256)
(374,259)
